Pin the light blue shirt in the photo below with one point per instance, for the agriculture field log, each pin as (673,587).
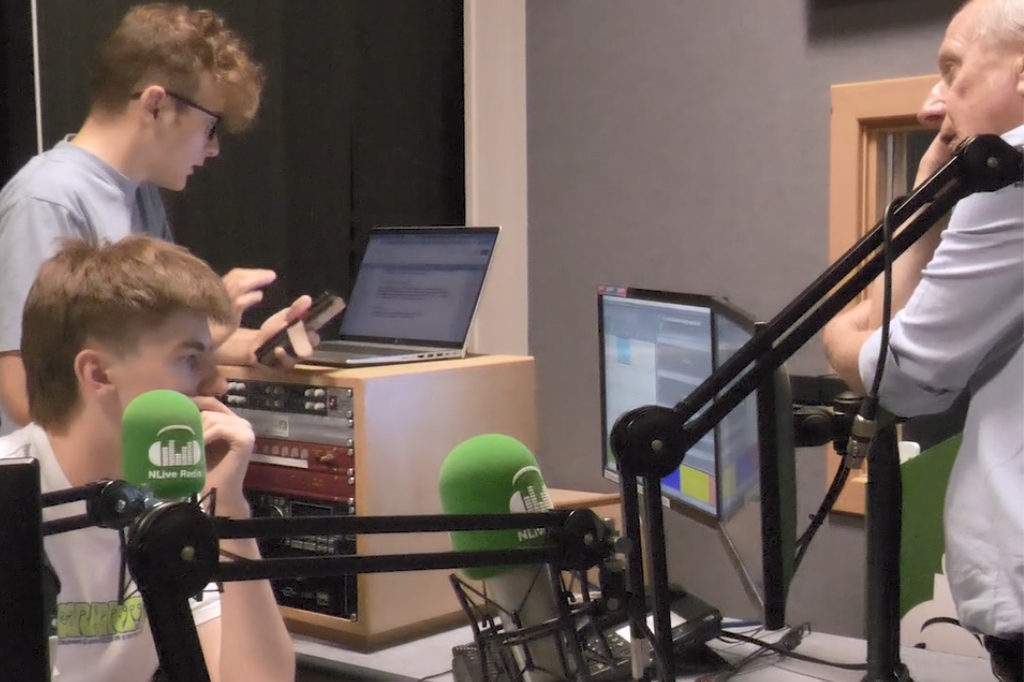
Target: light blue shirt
(964,327)
(64,192)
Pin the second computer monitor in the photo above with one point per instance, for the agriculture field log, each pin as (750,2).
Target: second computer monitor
(656,348)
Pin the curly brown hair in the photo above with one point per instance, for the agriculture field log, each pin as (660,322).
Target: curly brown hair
(172,45)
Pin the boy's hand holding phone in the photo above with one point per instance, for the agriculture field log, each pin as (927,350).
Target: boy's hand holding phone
(292,334)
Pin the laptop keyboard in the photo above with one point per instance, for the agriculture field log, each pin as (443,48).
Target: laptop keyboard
(349,351)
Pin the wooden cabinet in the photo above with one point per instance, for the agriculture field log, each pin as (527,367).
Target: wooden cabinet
(405,419)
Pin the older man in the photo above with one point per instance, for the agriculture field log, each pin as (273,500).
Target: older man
(959,324)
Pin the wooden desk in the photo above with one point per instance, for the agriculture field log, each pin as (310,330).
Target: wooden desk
(431,655)
(569,499)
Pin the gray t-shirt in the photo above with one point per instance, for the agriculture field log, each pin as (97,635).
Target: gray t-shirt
(64,192)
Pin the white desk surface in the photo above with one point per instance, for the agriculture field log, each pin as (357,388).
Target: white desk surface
(433,655)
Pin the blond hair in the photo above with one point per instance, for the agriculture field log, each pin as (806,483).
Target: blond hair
(109,294)
(172,45)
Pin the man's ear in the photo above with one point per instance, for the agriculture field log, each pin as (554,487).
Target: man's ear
(1020,75)
(92,370)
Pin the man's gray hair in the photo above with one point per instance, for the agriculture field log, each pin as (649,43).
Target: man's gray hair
(1002,20)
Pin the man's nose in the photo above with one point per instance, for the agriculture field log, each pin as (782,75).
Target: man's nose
(213,146)
(933,109)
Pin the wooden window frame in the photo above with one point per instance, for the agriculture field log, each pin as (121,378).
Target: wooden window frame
(862,115)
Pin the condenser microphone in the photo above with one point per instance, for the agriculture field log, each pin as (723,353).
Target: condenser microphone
(496,474)
(162,451)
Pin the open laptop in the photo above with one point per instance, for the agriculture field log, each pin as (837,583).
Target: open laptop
(414,297)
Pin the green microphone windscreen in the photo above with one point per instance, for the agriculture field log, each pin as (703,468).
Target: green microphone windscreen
(162,445)
(492,474)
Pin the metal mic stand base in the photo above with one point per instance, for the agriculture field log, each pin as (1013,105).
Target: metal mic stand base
(884,525)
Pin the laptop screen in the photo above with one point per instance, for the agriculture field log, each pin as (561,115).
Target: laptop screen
(419,285)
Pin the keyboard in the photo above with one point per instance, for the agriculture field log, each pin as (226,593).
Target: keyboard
(608,659)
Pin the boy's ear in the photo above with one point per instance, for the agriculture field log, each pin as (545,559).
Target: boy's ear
(92,370)
(151,98)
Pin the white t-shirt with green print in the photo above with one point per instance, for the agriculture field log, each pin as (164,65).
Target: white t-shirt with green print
(101,638)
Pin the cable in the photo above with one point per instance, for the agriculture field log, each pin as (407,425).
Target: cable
(740,666)
(732,644)
(781,650)
(869,406)
(883,348)
(744,665)
(430,677)
(787,642)
(862,433)
(838,482)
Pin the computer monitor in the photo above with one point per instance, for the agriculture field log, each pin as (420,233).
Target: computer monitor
(656,348)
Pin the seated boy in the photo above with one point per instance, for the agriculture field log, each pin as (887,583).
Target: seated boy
(102,325)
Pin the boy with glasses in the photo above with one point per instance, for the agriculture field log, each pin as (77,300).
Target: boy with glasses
(168,79)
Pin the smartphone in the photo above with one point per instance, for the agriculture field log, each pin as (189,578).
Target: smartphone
(325,308)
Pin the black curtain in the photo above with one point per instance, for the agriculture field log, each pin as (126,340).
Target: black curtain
(362,124)
(17,87)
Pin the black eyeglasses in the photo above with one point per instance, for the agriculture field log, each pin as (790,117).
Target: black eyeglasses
(187,102)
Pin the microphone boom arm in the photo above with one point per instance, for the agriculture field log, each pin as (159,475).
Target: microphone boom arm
(981,164)
(568,547)
(173,552)
(650,442)
(110,504)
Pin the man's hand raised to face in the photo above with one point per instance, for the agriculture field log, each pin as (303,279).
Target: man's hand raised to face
(229,442)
